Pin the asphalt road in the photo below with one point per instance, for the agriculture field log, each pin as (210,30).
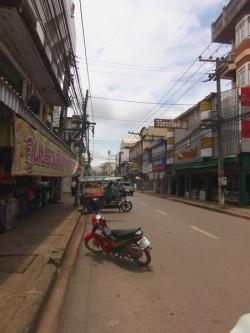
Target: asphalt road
(198,281)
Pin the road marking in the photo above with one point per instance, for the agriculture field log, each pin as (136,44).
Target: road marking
(204,232)
(143,204)
(162,213)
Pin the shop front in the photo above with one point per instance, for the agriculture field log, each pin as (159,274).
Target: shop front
(31,169)
(199,180)
(158,152)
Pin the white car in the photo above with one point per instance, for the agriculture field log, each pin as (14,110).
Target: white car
(128,187)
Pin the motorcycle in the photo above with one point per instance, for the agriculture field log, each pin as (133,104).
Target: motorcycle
(119,201)
(128,243)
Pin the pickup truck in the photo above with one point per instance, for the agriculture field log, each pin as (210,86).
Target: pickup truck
(128,187)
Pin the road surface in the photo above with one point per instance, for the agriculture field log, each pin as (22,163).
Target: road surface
(198,281)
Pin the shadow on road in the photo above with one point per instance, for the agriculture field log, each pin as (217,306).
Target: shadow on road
(127,264)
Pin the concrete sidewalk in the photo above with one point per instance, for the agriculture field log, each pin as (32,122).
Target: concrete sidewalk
(29,257)
(230,210)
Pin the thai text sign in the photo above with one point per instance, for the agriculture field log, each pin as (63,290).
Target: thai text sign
(170,123)
(159,164)
(35,155)
(187,154)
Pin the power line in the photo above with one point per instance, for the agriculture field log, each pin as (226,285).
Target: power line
(153,111)
(135,66)
(134,76)
(137,102)
(86,60)
(161,70)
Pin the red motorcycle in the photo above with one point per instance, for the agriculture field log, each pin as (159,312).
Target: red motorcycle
(128,243)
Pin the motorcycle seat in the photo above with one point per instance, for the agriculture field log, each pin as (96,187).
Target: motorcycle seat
(123,233)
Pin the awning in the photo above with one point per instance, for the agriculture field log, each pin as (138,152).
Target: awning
(204,164)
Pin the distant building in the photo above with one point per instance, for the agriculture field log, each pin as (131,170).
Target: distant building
(108,168)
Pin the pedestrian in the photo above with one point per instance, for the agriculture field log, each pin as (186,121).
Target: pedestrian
(73,187)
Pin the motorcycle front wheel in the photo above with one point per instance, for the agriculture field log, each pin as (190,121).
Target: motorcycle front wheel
(92,246)
(145,258)
(126,206)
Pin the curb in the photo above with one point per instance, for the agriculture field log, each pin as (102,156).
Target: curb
(218,210)
(27,317)
(58,257)
(48,322)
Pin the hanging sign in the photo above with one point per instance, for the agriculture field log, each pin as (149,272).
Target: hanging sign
(170,123)
(35,155)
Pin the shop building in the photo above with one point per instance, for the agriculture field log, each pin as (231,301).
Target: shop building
(36,48)
(140,156)
(157,151)
(192,158)
(232,27)
(123,162)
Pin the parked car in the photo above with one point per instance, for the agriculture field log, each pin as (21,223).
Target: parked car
(128,187)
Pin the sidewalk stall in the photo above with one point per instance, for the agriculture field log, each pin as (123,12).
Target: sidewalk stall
(31,169)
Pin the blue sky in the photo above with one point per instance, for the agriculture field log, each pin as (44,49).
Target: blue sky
(137,50)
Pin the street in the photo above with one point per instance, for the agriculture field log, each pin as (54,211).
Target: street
(198,280)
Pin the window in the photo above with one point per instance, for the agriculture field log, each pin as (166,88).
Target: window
(241,77)
(242,30)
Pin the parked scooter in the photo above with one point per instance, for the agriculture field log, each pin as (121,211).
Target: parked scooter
(128,243)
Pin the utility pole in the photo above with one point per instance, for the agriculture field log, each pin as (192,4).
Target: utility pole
(83,128)
(119,161)
(221,175)
(219,121)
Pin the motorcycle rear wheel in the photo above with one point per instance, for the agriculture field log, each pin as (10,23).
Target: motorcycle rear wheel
(145,259)
(92,246)
(126,206)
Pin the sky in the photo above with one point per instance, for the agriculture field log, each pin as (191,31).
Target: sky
(139,50)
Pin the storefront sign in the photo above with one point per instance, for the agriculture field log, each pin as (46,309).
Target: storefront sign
(159,164)
(158,151)
(35,155)
(170,123)
(245,124)
(205,105)
(187,154)
(245,96)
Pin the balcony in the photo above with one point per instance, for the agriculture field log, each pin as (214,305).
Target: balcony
(223,29)
(228,70)
(23,41)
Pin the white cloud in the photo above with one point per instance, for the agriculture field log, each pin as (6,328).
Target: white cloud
(159,33)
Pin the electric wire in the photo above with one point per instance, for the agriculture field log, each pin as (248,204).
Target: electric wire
(153,111)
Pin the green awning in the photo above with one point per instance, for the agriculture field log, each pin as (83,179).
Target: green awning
(213,162)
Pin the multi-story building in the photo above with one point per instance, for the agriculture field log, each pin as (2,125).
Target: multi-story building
(140,156)
(233,27)
(123,156)
(108,169)
(37,43)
